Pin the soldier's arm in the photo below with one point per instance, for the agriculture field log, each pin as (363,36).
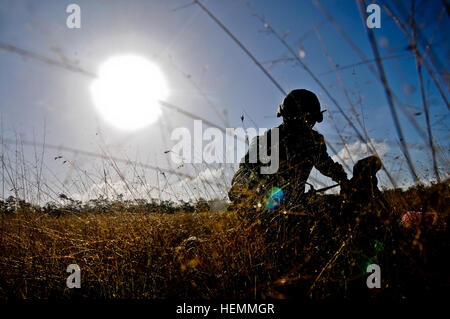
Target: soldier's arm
(326,165)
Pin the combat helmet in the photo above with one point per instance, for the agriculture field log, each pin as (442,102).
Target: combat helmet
(298,103)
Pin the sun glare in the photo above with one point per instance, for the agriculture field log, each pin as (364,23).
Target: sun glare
(127,91)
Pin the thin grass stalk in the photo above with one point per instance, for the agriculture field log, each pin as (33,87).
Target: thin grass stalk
(422,92)
(388,93)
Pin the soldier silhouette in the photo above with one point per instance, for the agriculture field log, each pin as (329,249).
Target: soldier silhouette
(300,149)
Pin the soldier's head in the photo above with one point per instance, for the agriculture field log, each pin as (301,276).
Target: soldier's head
(301,107)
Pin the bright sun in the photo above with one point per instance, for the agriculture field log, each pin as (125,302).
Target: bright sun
(127,91)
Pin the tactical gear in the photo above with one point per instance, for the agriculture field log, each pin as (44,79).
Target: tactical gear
(300,103)
(300,149)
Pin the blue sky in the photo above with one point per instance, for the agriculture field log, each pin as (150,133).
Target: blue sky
(40,101)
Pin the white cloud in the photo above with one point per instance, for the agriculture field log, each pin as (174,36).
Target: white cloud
(210,175)
(211,182)
(360,150)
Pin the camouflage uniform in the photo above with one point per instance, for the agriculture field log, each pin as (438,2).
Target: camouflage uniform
(300,149)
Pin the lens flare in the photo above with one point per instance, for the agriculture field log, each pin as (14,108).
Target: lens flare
(275,198)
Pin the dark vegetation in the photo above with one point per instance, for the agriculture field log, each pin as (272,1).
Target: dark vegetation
(144,250)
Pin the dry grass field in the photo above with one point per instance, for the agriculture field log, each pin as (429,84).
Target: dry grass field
(130,251)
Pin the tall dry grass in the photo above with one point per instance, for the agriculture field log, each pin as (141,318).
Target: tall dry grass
(131,252)
(136,249)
